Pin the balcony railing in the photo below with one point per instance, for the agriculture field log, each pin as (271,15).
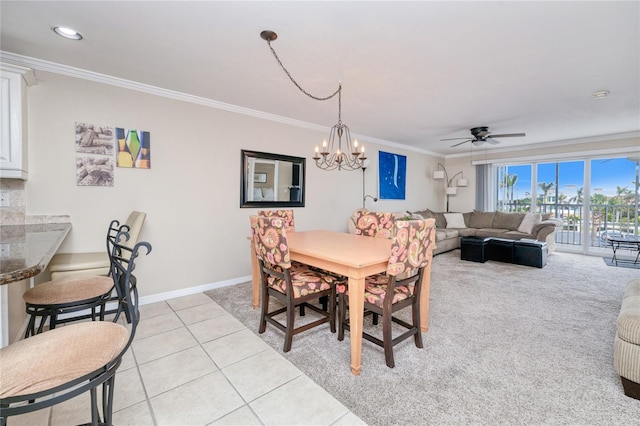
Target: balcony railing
(603,220)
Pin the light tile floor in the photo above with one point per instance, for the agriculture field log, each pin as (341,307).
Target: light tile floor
(192,363)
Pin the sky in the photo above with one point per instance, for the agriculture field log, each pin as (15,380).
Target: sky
(606,175)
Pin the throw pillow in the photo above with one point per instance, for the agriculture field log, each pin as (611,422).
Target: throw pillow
(441,222)
(530,220)
(454,220)
(481,220)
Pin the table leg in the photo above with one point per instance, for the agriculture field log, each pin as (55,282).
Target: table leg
(255,278)
(424,298)
(356,315)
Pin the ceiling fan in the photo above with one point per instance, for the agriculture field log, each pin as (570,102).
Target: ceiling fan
(481,135)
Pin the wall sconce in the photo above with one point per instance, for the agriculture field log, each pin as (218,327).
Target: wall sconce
(365,164)
(450,189)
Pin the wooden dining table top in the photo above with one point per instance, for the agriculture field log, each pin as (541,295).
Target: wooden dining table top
(356,251)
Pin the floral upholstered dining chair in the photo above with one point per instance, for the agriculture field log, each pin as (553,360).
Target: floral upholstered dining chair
(388,293)
(287,215)
(293,284)
(375,224)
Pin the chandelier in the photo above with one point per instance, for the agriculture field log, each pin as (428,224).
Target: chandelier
(333,154)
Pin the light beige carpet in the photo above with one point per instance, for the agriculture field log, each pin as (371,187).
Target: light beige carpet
(507,344)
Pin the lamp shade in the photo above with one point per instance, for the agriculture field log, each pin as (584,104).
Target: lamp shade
(462,182)
(438,174)
(451,190)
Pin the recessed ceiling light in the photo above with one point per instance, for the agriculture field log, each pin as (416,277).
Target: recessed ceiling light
(67,32)
(600,94)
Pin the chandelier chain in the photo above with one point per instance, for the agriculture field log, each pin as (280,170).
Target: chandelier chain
(296,83)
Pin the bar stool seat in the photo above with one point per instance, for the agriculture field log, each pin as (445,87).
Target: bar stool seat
(54,298)
(62,355)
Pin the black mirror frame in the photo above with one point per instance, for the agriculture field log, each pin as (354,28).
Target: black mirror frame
(245,203)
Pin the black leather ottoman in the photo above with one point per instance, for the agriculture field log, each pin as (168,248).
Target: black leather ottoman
(530,253)
(473,249)
(500,249)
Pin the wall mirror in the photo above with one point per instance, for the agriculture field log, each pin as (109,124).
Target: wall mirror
(271,180)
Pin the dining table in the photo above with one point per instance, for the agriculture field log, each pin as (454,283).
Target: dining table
(355,257)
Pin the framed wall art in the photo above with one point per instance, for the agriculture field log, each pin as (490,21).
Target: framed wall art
(392,169)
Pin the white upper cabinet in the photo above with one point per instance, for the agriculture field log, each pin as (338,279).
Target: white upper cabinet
(13,125)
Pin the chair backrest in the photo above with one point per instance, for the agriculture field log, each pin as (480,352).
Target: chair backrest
(122,265)
(375,224)
(410,249)
(287,215)
(270,240)
(134,222)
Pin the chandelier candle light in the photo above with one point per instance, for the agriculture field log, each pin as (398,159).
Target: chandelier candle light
(450,188)
(332,156)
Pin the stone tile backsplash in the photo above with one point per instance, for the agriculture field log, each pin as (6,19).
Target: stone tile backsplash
(15,213)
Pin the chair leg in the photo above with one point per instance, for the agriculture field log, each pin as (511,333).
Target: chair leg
(324,301)
(416,324)
(387,339)
(302,313)
(332,311)
(107,402)
(31,327)
(341,316)
(288,337)
(375,318)
(95,415)
(264,310)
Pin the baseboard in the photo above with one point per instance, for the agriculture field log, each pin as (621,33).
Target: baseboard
(160,297)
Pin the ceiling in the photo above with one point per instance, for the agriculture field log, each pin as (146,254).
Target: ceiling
(412,72)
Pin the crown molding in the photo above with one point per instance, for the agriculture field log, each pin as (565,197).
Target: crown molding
(42,65)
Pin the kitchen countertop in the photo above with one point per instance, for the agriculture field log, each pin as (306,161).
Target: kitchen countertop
(28,249)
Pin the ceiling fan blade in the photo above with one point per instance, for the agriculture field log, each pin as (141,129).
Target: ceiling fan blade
(507,135)
(453,139)
(460,143)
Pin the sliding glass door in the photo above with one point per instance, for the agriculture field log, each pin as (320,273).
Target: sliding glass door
(593,198)
(560,193)
(613,204)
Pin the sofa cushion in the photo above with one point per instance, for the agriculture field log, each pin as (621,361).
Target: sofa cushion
(454,220)
(480,219)
(628,322)
(510,221)
(529,221)
(467,232)
(490,232)
(516,235)
(441,235)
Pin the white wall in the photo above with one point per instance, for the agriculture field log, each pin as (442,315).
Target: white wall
(191,193)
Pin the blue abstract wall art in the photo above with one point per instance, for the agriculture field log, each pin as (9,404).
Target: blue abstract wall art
(392,169)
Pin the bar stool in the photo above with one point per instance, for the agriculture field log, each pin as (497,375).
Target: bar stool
(51,299)
(61,364)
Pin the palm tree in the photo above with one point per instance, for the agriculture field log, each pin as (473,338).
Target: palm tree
(598,199)
(545,188)
(579,197)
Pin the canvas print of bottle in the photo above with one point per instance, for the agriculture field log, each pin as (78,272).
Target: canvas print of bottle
(134,148)
(392,175)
